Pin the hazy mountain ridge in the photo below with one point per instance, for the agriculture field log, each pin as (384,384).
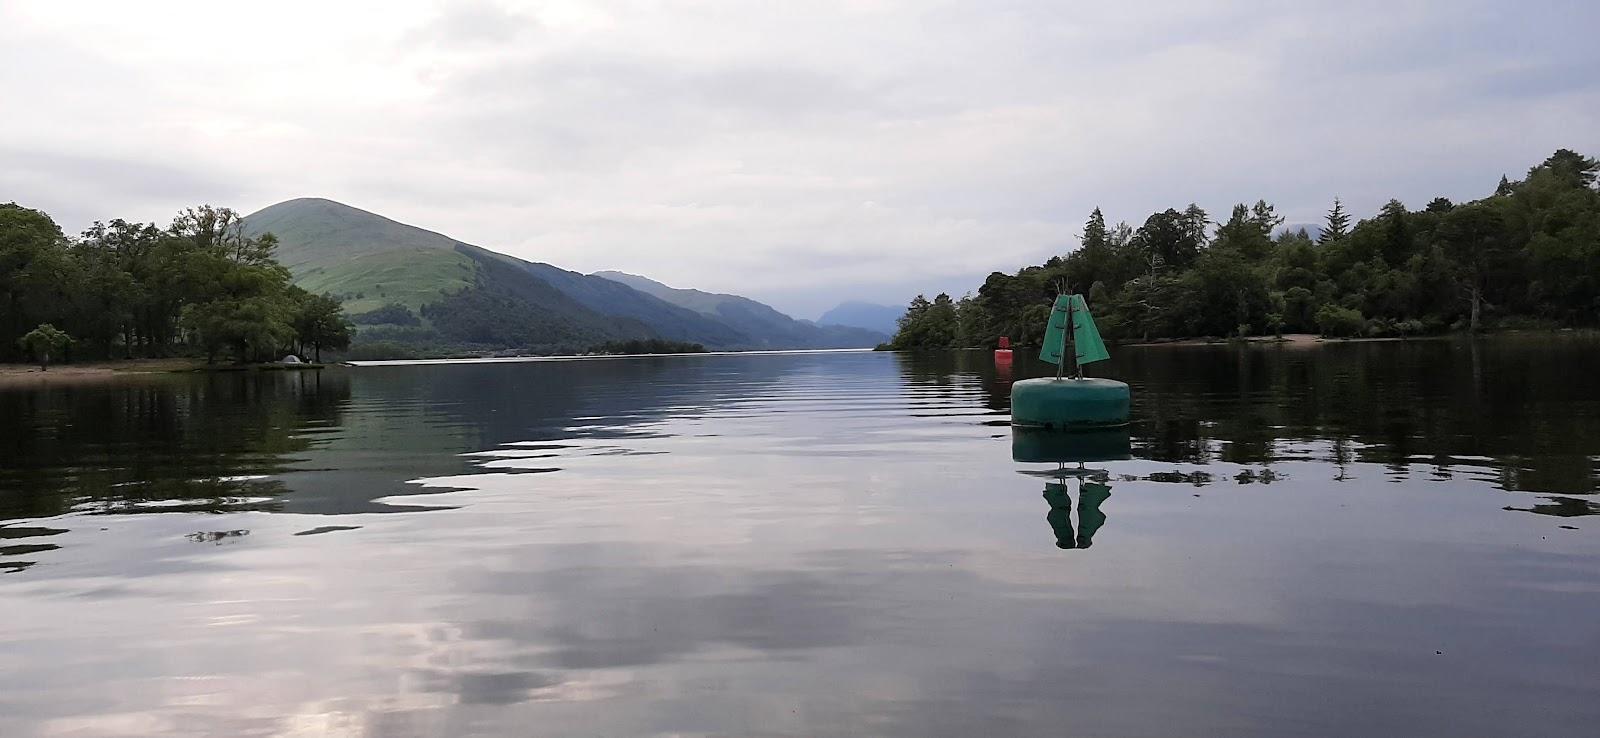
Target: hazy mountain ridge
(866,315)
(764,325)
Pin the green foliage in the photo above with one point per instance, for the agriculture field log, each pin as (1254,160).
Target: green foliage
(36,272)
(131,289)
(44,342)
(1339,322)
(319,322)
(1170,239)
(1337,225)
(393,313)
(648,346)
(943,323)
(1527,255)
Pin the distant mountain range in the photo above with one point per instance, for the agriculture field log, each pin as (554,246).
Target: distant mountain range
(766,326)
(411,285)
(880,318)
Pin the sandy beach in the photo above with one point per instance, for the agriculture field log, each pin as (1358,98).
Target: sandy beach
(13,375)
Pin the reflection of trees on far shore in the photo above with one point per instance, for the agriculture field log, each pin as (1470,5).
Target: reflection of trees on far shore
(1512,405)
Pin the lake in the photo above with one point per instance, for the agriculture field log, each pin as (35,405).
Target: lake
(1344,539)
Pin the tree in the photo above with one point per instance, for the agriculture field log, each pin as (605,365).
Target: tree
(927,325)
(1337,225)
(35,271)
(1167,241)
(1222,293)
(1339,322)
(44,342)
(1265,217)
(222,230)
(1195,223)
(246,309)
(1530,251)
(319,322)
(1097,260)
(1470,236)
(1396,245)
(1094,232)
(1248,231)
(1299,309)
(1572,168)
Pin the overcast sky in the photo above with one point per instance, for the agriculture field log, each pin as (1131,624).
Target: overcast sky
(796,152)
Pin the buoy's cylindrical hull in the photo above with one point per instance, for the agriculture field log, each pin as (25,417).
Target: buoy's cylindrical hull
(1066,404)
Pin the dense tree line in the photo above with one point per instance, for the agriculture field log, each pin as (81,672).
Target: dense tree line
(390,314)
(648,346)
(1526,255)
(125,290)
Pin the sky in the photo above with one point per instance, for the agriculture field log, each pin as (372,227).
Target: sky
(798,153)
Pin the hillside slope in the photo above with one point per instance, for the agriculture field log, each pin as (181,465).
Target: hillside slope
(767,327)
(370,261)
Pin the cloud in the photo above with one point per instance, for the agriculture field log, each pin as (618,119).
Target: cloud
(472,23)
(803,154)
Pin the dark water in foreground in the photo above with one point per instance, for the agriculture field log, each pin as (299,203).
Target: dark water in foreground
(1361,539)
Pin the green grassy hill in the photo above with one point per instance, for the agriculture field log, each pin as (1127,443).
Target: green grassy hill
(363,258)
(466,296)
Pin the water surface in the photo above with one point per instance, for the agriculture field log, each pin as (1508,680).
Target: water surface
(1384,538)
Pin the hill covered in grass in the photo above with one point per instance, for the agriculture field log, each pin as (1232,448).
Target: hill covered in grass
(415,286)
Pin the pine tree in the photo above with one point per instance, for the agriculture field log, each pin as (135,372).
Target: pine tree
(1338,225)
(1094,232)
(1195,220)
(1265,218)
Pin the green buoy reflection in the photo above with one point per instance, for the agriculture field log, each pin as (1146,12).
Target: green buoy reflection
(1070,452)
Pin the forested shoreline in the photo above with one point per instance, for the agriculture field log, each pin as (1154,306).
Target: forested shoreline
(198,287)
(1526,256)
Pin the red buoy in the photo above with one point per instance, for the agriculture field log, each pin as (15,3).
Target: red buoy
(1002,355)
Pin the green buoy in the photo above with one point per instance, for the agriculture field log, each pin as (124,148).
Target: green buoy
(1070,402)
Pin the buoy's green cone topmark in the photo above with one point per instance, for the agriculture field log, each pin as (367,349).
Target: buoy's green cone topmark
(1070,402)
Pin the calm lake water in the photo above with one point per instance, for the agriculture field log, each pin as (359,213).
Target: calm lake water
(1355,539)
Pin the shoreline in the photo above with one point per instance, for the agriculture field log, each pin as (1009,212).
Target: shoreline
(1290,340)
(1300,340)
(29,375)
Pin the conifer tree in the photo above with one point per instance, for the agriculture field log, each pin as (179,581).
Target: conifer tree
(1338,224)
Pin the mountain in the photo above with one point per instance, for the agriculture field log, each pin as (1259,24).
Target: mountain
(465,295)
(766,326)
(866,315)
